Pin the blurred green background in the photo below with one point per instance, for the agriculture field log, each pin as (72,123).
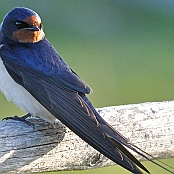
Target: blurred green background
(122,49)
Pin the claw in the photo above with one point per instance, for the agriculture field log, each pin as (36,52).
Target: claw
(22,119)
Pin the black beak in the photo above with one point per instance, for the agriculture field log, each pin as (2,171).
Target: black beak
(32,28)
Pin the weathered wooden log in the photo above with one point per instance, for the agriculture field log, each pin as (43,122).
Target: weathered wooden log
(23,148)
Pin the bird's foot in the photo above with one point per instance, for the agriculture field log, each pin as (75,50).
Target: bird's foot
(22,119)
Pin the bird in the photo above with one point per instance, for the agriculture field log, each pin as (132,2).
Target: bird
(37,79)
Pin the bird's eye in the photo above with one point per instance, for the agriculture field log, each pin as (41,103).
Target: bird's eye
(21,24)
(18,24)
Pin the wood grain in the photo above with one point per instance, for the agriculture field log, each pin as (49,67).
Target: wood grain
(24,149)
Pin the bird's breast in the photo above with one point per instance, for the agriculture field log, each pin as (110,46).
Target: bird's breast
(21,97)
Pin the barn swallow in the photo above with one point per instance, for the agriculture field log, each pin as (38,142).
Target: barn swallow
(36,78)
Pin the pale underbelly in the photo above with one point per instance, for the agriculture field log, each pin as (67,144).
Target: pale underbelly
(21,97)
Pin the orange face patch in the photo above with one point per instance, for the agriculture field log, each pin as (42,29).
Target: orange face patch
(33,21)
(26,36)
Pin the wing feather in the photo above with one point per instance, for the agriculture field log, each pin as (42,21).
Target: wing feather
(62,93)
(70,108)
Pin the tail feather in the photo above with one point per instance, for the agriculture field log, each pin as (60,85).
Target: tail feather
(122,144)
(127,153)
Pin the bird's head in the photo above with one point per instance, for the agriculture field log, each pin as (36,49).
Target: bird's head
(22,25)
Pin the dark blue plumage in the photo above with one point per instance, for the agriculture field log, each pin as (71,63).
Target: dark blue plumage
(43,58)
(62,93)
(42,78)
